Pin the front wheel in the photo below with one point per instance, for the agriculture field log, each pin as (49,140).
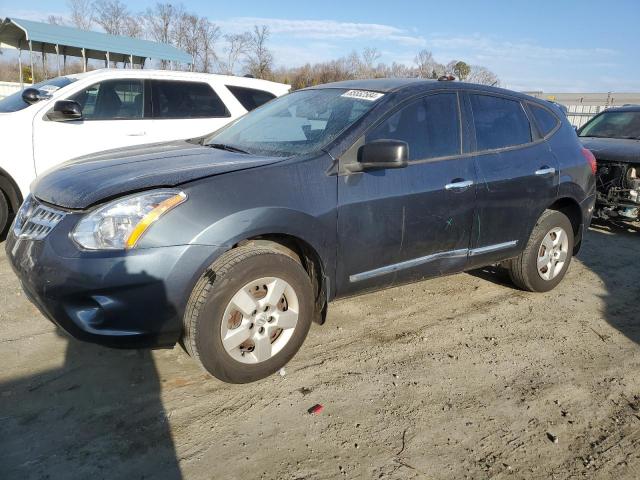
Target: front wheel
(545,260)
(4,215)
(249,314)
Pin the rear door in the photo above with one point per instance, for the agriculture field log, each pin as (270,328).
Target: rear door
(402,224)
(186,109)
(114,116)
(517,176)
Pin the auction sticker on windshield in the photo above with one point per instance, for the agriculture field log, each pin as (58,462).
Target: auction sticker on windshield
(363,95)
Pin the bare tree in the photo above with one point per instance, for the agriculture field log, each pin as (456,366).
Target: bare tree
(133,26)
(369,56)
(208,36)
(81,13)
(426,65)
(260,59)
(483,76)
(237,46)
(160,24)
(186,36)
(111,15)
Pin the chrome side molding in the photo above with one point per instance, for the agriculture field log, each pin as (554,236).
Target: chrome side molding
(492,248)
(415,262)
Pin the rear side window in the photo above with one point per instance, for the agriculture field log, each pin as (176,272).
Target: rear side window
(250,98)
(499,122)
(430,126)
(546,120)
(176,99)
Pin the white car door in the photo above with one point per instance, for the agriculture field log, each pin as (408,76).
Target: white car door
(113,116)
(187,109)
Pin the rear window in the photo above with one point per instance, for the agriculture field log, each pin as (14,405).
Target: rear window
(546,120)
(250,98)
(176,99)
(499,122)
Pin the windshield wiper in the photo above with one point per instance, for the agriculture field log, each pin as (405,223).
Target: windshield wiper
(228,148)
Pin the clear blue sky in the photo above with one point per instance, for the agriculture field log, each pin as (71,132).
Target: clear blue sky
(561,45)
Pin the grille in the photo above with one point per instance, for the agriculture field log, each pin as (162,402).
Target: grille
(35,221)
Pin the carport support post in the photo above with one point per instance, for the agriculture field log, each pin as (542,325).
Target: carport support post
(31,61)
(20,64)
(58,57)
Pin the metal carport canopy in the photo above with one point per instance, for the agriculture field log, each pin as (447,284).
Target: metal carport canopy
(48,38)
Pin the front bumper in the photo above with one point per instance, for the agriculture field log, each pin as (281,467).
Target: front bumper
(126,299)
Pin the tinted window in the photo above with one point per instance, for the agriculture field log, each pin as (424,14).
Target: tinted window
(430,126)
(546,120)
(112,100)
(499,122)
(175,99)
(14,102)
(250,98)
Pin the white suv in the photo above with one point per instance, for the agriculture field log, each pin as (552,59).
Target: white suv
(74,115)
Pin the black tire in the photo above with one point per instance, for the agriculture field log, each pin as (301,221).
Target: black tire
(5,215)
(523,269)
(203,317)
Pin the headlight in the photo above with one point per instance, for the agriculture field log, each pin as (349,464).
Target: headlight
(121,223)
(24,212)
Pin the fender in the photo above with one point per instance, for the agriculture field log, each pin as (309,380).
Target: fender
(245,224)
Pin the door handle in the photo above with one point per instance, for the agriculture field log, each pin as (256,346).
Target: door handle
(461,185)
(545,171)
(136,134)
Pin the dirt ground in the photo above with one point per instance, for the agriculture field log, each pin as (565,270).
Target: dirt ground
(458,377)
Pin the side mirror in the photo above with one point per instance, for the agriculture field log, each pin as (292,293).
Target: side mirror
(383,154)
(31,95)
(65,110)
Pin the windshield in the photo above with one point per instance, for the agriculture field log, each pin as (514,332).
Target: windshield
(613,125)
(298,123)
(14,102)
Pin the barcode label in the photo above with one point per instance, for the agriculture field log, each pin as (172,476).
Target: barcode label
(363,95)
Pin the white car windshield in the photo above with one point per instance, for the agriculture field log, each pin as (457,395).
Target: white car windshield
(298,123)
(14,102)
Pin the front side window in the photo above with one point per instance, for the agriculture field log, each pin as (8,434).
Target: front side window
(177,99)
(250,98)
(14,102)
(613,125)
(499,122)
(121,99)
(298,123)
(430,126)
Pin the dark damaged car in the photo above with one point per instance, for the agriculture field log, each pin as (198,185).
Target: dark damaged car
(234,244)
(614,138)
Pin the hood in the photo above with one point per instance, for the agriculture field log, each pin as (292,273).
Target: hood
(87,180)
(613,149)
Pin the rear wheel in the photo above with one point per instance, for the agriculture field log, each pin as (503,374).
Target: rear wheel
(249,314)
(546,258)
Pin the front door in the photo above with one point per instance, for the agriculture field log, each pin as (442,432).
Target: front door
(402,224)
(113,117)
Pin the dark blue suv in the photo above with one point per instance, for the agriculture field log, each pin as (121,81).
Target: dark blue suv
(234,243)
